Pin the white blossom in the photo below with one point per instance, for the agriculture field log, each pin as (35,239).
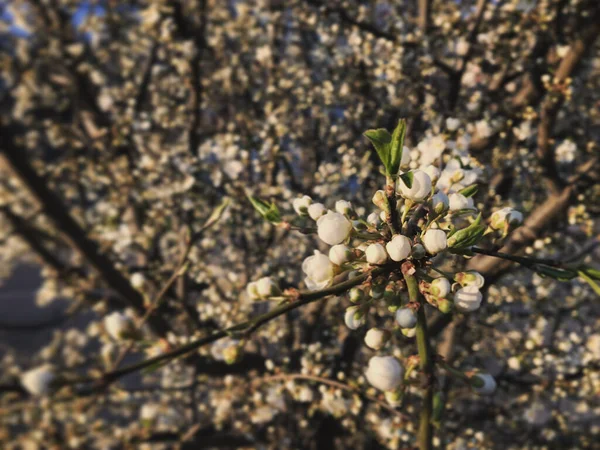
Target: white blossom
(459,201)
(343,207)
(340,254)
(433,172)
(374,219)
(566,151)
(470,278)
(376,254)
(333,228)
(440,287)
(398,248)
(452,124)
(137,280)
(440,202)
(118,325)
(435,241)
(420,188)
(319,271)
(384,373)
(467,299)
(252,290)
(316,210)
(506,216)
(351,320)
(406,317)
(267,287)
(376,338)
(38,381)
(431,149)
(301,205)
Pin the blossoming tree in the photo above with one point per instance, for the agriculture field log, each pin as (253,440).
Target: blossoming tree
(244,265)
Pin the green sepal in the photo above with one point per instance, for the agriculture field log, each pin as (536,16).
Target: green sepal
(467,237)
(268,211)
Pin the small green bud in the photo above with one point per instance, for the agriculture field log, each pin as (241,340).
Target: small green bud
(381,201)
(356,295)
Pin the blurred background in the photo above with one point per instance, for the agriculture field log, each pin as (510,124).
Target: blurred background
(124,124)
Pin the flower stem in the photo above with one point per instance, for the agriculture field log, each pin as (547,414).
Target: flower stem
(425,360)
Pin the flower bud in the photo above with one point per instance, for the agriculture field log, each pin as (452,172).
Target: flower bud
(384,373)
(354,317)
(394,398)
(252,290)
(440,203)
(301,205)
(343,207)
(409,332)
(459,202)
(148,413)
(435,241)
(483,383)
(231,354)
(420,189)
(381,201)
(137,280)
(340,254)
(266,287)
(452,124)
(333,228)
(440,287)
(406,318)
(467,299)
(374,219)
(376,254)
(398,248)
(38,381)
(433,172)
(506,217)
(316,210)
(376,338)
(119,326)
(319,271)
(470,278)
(356,295)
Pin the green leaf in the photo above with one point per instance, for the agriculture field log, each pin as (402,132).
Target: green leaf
(216,214)
(590,281)
(594,274)
(407,177)
(467,237)
(469,191)
(381,139)
(268,211)
(554,272)
(396,146)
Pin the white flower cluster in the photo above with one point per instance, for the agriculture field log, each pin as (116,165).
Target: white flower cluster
(420,214)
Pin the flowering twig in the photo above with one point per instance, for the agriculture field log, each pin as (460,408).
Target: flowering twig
(304,298)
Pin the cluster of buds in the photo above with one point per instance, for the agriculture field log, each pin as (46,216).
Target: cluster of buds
(420,215)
